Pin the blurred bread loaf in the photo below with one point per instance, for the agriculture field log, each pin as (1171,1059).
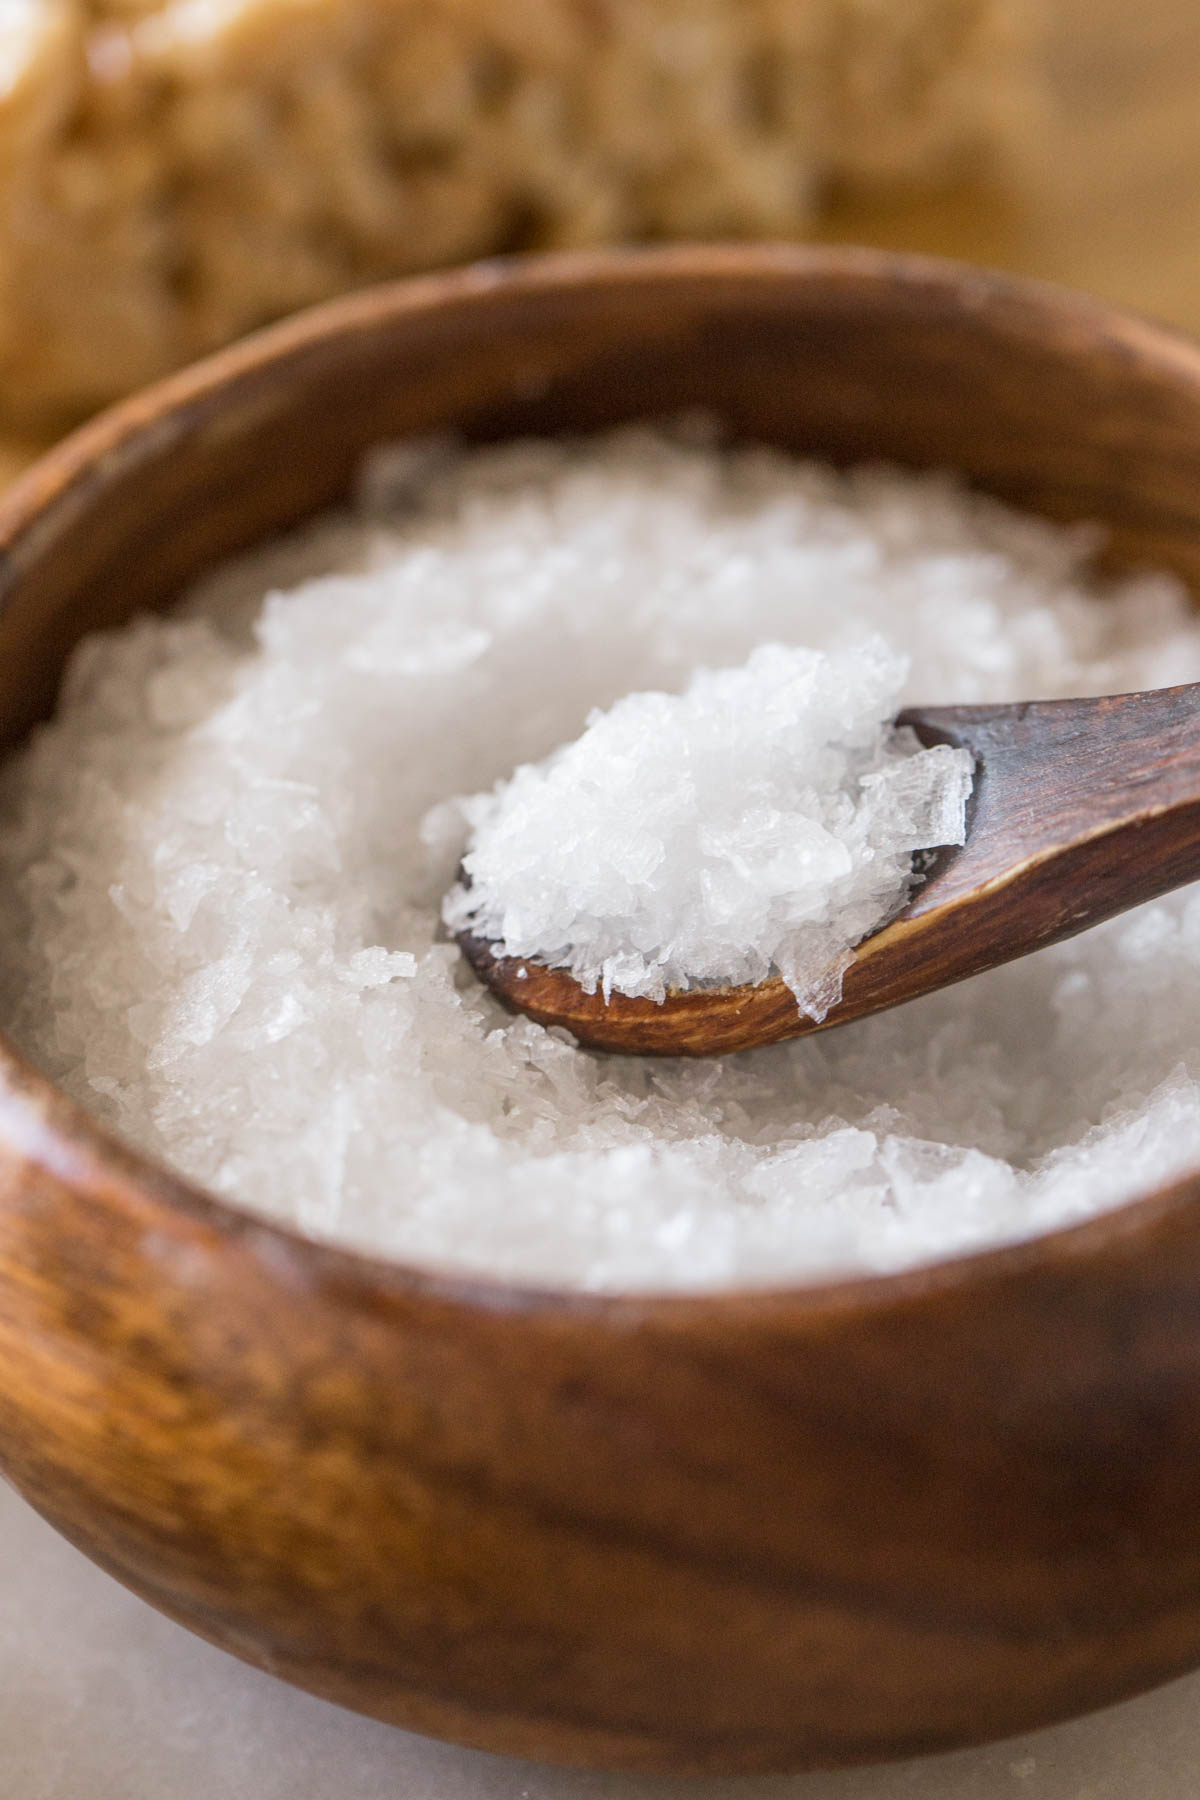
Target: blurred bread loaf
(173,174)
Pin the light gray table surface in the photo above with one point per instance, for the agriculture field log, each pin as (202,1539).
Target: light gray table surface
(101,1699)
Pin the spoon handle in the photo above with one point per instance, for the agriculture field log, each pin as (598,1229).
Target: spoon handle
(1081,809)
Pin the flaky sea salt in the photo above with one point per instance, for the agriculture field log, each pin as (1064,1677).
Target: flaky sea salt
(762,822)
(221,870)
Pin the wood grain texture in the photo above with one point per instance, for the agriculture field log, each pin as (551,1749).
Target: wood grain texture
(1080,809)
(729,1533)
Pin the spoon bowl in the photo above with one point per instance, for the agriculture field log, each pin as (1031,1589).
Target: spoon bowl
(730,1531)
(1080,809)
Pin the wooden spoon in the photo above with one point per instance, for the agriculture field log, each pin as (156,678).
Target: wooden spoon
(1081,809)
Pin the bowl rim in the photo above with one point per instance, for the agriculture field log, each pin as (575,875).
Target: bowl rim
(49,1129)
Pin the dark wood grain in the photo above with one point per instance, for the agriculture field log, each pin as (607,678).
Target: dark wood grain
(1080,809)
(730,1532)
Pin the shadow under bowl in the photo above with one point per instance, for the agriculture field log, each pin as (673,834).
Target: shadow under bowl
(732,1532)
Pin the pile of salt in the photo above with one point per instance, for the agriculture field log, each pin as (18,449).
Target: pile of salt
(221,866)
(764,821)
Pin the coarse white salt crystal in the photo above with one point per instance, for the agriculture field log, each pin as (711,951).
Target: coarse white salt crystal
(221,868)
(763,821)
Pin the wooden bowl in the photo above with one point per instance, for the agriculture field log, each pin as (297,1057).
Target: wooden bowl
(737,1532)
